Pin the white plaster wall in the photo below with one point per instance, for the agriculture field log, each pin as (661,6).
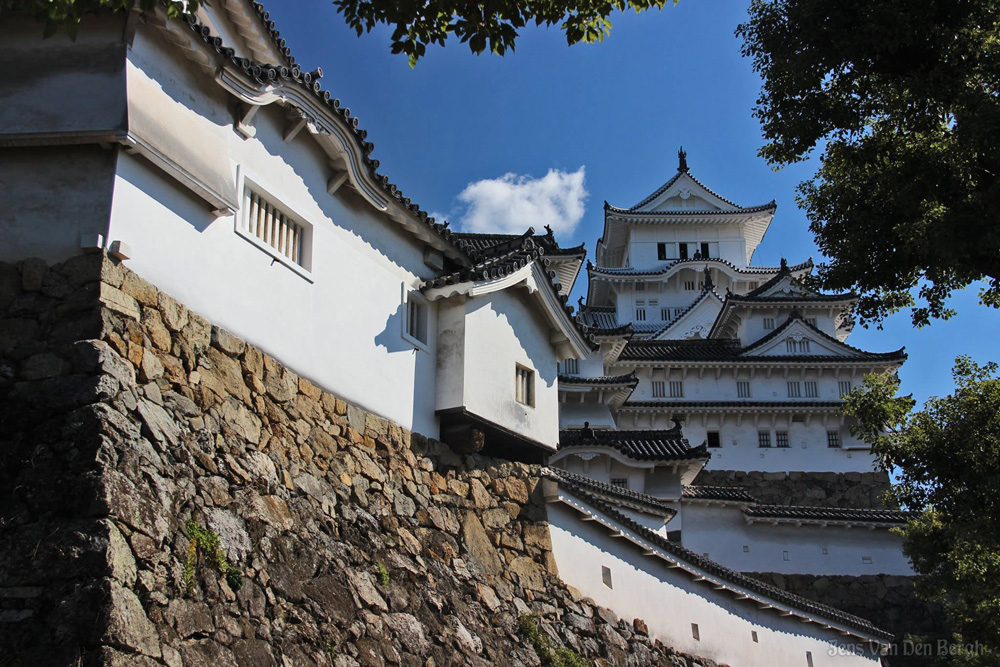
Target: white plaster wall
(669,602)
(502,330)
(343,329)
(752,326)
(573,414)
(723,534)
(643,240)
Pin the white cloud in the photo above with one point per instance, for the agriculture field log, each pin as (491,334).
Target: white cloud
(512,203)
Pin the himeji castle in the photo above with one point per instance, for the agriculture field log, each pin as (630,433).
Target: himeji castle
(716,388)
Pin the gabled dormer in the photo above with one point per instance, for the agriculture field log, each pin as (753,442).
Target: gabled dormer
(797,338)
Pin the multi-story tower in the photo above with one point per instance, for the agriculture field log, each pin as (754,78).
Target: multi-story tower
(751,360)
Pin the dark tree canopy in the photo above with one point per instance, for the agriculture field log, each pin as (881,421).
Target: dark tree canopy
(946,457)
(902,97)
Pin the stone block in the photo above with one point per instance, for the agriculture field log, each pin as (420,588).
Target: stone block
(119,302)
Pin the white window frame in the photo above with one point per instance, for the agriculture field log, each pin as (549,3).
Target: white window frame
(659,389)
(768,323)
(842,385)
(247,179)
(811,389)
(794,389)
(410,296)
(740,386)
(529,385)
(571,366)
(676,388)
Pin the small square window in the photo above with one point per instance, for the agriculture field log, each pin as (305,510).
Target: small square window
(571,367)
(640,287)
(784,555)
(866,560)
(826,551)
(763,438)
(694,632)
(524,389)
(746,548)
(606,576)
(833,439)
(416,330)
(809,659)
(620,482)
(781,438)
(713,439)
(753,636)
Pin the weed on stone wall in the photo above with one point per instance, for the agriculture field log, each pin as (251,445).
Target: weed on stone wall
(549,654)
(204,545)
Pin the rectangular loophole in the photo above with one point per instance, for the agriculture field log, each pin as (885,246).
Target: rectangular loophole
(606,576)
(694,632)
(809,659)
(753,635)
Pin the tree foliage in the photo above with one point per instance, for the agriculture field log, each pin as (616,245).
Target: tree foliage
(903,99)
(947,460)
(486,24)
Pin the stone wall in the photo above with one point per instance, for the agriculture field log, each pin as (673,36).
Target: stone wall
(888,600)
(852,489)
(130,424)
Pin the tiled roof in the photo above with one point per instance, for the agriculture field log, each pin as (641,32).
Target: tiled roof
(486,244)
(265,74)
(714,569)
(826,514)
(783,271)
(733,404)
(666,186)
(664,445)
(598,318)
(753,270)
(586,485)
(712,349)
(629,212)
(734,493)
(629,379)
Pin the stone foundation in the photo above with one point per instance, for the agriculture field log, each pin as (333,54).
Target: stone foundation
(127,420)
(853,489)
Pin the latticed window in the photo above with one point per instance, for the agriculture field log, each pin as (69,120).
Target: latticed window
(571,367)
(640,311)
(689,285)
(794,389)
(844,386)
(768,323)
(781,438)
(272,226)
(812,391)
(524,386)
(676,389)
(416,318)
(620,482)
(833,439)
(743,389)
(796,346)
(763,438)
(659,388)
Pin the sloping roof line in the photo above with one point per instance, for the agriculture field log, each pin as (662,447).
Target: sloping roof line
(626,496)
(666,186)
(265,74)
(677,318)
(675,550)
(750,270)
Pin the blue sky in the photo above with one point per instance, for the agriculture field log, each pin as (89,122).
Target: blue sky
(476,137)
